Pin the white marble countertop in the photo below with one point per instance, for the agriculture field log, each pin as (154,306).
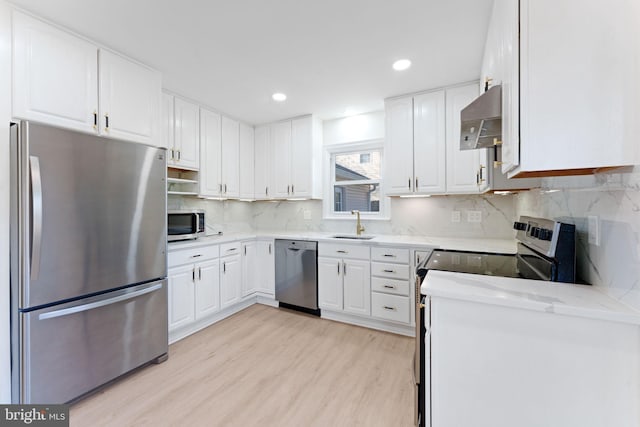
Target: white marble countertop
(507,246)
(550,297)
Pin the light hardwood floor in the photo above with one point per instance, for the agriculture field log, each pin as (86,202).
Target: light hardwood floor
(266,367)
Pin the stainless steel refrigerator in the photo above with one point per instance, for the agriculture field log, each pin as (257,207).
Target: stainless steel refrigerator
(88,261)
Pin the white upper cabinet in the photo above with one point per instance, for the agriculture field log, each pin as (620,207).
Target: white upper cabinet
(56,81)
(296,159)
(578,99)
(55,75)
(230,158)
(429,143)
(398,151)
(263,160)
(187,135)
(422,145)
(130,97)
(466,170)
(210,179)
(167,125)
(281,143)
(246,164)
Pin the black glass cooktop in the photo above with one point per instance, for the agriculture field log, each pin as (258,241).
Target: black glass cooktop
(502,265)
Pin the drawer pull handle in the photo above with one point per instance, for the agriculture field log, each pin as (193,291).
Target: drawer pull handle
(196,256)
(389,255)
(232,249)
(386,307)
(389,271)
(389,286)
(342,252)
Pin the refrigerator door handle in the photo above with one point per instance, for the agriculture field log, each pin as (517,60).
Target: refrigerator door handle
(97,304)
(36,206)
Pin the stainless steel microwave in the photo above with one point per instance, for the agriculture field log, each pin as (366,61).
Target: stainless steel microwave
(184,225)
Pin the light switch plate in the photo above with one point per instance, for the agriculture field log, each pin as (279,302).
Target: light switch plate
(474,216)
(455,216)
(594,230)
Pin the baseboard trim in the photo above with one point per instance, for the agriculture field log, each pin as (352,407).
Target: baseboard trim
(380,325)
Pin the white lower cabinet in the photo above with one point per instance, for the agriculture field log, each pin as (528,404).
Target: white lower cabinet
(265,281)
(356,277)
(181,297)
(248,268)
(230,280)
(344,284)
(391,284)
(207,292)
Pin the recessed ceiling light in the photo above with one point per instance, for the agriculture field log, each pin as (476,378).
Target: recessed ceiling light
(279,96)
(401,64)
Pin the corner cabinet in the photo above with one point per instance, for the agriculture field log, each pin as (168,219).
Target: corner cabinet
(563,92)
(296,159)
(65,80)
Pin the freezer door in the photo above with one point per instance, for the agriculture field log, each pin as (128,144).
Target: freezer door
(93,214)
(72,348)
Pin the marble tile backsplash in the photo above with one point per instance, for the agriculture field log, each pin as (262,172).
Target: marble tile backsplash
(228,216)
(614,198)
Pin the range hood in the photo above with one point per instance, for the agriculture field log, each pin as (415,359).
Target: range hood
(481,121)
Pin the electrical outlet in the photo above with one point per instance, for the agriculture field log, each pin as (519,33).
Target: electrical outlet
(455,216)
(306,213)
(474,216)
(594,230)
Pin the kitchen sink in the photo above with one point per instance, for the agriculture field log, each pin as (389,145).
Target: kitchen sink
(352,237)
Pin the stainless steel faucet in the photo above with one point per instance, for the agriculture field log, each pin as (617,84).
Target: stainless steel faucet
(359,226)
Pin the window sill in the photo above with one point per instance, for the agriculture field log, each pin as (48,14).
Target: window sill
(353,217)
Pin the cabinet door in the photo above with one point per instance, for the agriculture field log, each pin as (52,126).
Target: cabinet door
(301,157)
(129,100)
(357,287)
(463,167)
(246,168)
(266,280)
(263,156)
(187,134)
(230,280)
(429,143)
(398,153)
(249,267)
(55,76)
(207,288)
(210,151)
(181,297)
(167,127)
(281,135)
(330,283)
(230,158)
(507,13)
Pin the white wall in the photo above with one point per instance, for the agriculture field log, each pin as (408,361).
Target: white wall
(362,127)
(5,117)
(614,198)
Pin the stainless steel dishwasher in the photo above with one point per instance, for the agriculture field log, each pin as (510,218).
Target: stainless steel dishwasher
(297,275)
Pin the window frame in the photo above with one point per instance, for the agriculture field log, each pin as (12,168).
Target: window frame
(330,152)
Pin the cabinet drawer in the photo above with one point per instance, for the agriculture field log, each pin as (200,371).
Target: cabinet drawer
(187,256)
(390,286)
(390,307)
(343,251)
(392,271)
(227,249)
(390,255)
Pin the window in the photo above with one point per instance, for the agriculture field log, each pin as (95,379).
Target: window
(355,180)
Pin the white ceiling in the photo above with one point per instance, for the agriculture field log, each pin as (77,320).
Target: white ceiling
(326,55)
